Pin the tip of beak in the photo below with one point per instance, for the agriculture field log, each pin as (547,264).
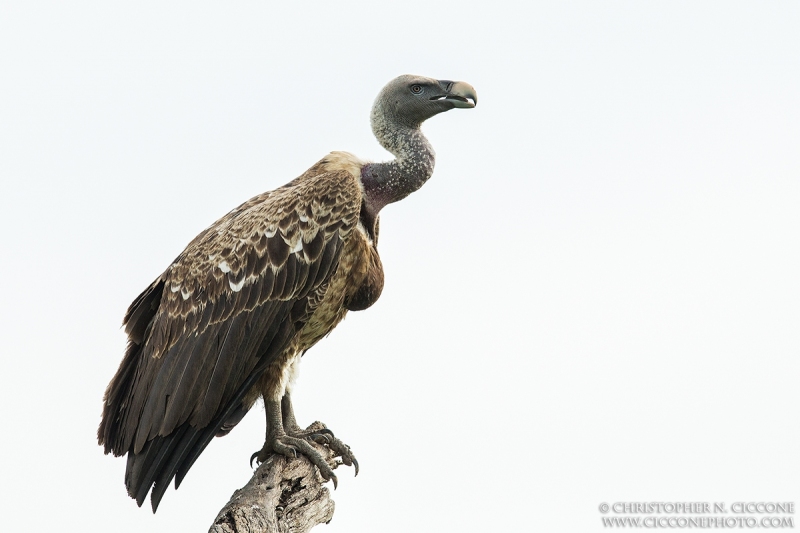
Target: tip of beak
(464,94)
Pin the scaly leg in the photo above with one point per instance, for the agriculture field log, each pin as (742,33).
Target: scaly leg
(279,441)
(291,426)
(317,432)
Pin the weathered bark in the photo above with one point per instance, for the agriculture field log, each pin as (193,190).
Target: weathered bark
(284,495)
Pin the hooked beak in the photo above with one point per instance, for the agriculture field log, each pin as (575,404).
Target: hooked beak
(460,93)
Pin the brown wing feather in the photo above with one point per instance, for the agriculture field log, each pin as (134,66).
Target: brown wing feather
(210,324)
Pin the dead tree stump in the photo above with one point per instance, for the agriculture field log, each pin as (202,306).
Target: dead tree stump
(284,495)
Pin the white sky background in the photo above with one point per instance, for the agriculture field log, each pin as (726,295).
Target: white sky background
(595,299)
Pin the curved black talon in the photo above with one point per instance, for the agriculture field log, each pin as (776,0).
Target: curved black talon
(343,451)
(320,439)
(253,457)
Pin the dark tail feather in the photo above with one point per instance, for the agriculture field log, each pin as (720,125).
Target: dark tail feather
(144,466)
(162,457)
(110,434)
(166,475)
(115,432)
(166,457)
(158,461)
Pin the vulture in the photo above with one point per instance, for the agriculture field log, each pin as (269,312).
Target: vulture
(229,320)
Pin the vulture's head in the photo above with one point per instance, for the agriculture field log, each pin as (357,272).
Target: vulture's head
(411,100)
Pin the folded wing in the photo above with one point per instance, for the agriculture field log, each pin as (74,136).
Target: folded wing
(203,333)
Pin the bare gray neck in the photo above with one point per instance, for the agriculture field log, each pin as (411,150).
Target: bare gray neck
(385,183)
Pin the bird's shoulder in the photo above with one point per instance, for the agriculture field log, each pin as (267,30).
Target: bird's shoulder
(328,191)
(326,198)
(276,238)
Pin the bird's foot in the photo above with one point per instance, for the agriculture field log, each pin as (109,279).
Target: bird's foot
(295,440)
(319,433)
(316,432)
(291,447)
(340,449)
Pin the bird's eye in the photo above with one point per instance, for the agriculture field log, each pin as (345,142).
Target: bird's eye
(416,89)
